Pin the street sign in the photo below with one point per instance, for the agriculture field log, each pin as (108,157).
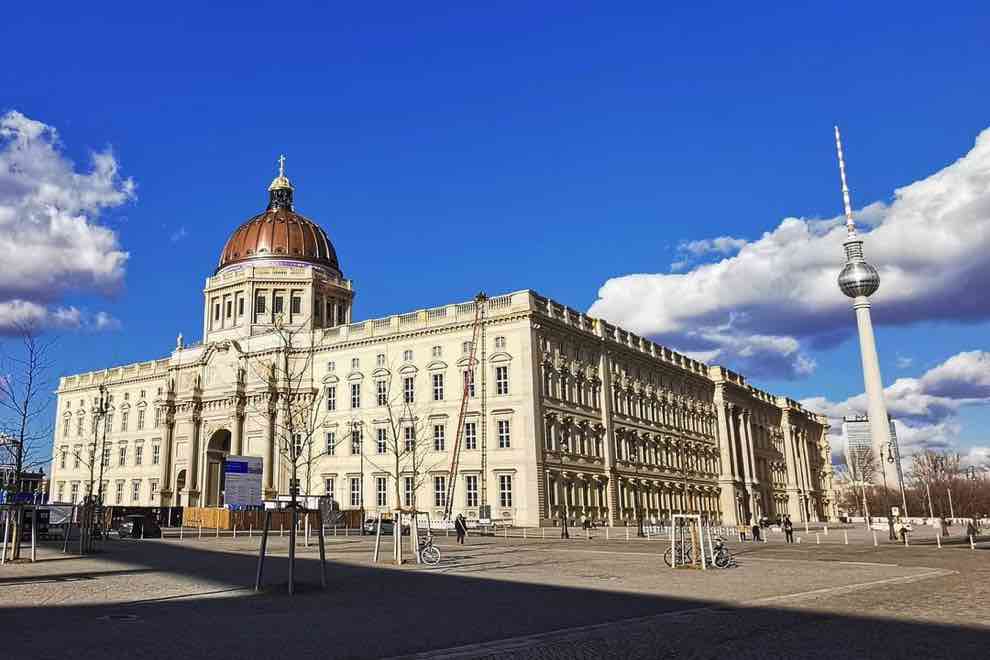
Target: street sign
(242,481)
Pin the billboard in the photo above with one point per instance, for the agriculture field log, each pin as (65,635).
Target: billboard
(242,481)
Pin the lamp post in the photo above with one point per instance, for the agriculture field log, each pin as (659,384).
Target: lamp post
(639,513)
(564,534)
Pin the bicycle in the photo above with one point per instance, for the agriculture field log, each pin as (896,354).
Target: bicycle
(721,557)
(683,555)
(429,553)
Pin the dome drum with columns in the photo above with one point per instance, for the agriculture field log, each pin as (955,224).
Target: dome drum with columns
(277,265)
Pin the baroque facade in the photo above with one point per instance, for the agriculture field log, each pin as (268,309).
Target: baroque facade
(565,414)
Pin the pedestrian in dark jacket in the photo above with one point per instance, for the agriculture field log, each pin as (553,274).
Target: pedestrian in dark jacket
(460,526)
(788,529)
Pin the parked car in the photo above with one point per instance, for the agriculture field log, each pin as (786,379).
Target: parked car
(388,527)
(138,526)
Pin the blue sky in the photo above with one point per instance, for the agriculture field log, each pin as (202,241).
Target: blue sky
(555,146)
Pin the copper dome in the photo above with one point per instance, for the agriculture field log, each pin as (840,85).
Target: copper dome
(280,233)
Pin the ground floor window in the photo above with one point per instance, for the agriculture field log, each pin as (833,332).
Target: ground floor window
(471,490)
(407,485)
(380,489)
(505,490)
(355,491)
(439,491)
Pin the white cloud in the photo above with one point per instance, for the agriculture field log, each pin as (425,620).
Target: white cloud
(930,245)
(178,235)
(17,314)
(903,362)
(50,236)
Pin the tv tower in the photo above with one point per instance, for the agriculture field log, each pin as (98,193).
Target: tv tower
(859,280)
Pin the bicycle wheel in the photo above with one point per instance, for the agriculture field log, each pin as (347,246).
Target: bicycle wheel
(667,557)
(722,559)
(431,555)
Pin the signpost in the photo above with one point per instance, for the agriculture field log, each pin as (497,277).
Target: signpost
(242,481)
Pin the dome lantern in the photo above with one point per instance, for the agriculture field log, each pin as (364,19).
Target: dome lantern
(280,189)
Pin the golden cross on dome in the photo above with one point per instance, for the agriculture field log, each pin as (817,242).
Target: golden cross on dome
(281,165)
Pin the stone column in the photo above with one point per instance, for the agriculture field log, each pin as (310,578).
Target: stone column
(167,460)
(237,446)
(606,397)
(268,465)
(193,487)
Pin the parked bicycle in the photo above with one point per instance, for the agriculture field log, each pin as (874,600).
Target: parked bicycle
(682,551)
(429,553)
(721,556)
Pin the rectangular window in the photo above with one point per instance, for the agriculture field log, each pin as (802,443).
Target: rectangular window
(61,491)
(438,437)
(500,343)
(409,433)
(216,312)
(230,308)
(135,491)
(156,454)
(355,363)
(108,425)
(355,491)
(331,443)
(437,352)
(407,356)
(329,487)
(65,428)
(140,423)
(61,460)
(505,490)
(439,491)
(355,395)
(119,494)
(470,435)
(123,421)
(469,382)
(471,490)
(356,442)
(75,456)
(277,305)
(158,417)
(259,305)
(501,380)
(122,456)
(138,454)
(106,457)
(409,389)
(296,305)
(240,306)
(438,387)
(407,491)
(329,312)
(382,441)
(154,491)
(380,359)
(332,398)
(466,348)
(75,492)
(503,434)
(382,392)
(79,426)
(380,490)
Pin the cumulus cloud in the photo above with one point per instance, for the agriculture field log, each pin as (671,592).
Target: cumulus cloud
(690,250)
(929,244)
(50,236)
(924,408)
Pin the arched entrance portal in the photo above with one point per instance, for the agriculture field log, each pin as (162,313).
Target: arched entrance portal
(180,485)
(216,452)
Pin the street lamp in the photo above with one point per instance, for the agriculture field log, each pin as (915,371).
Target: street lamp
(564,534)
(639,513)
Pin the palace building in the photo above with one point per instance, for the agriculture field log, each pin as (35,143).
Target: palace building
(565,414)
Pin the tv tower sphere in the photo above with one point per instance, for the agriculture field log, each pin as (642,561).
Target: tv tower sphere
(858,278)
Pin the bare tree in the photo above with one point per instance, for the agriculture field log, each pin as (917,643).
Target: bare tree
(25,400)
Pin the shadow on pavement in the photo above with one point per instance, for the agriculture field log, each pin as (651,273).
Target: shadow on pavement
(374,612)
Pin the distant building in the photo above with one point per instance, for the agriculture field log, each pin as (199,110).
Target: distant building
(859,444)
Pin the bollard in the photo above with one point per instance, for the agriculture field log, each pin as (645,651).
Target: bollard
(826,530)
(938,540)
(606,532)
(972,544)
(765,538)
(235,531)
(506,529)
(181,528)
(627,532)
(524,533)
(543,533)
(218,526)
(587,534)
(799,539)
(906,544)
(875,544)
(818,539)
(846,535)
(200,529)
(281,529)
(250,530)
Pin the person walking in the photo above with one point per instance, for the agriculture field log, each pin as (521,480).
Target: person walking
(460,526)
(788,529)
(756,529)
(890,527)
